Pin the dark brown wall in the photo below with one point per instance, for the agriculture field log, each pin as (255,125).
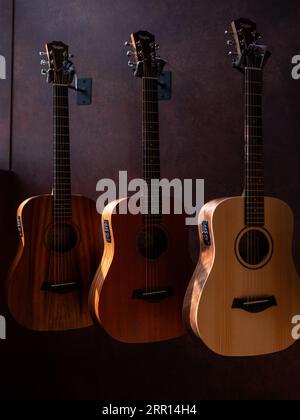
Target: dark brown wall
(6,25)
(201,136)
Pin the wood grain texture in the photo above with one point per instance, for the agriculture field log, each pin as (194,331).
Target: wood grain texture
(123,269)
(34,264)
(219,277)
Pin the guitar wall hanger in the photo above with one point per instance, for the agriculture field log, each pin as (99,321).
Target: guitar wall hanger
(165,86)
(82,86)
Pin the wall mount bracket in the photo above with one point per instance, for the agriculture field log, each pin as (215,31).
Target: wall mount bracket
(165,86)
(83,88)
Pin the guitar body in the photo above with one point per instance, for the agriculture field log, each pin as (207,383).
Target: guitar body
(238,303)
(138,299)
(48,284)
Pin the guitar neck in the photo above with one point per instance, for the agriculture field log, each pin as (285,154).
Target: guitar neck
(151,153)
(254,171)
(62,200)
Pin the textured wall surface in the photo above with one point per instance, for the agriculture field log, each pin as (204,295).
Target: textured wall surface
(5,84)
(201,137)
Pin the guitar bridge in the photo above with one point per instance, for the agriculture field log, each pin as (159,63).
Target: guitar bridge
(254,304)
(66,287)
(153,295)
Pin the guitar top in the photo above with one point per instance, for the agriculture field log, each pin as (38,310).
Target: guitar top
(146,266)
(245,289)
(59,251)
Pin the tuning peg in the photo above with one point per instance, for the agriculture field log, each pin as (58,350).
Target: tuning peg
(258,36)
(229,42)
(130,64)
(130,53)
(44,62)
(127,44)
(231,53)
(156,46)
(42,53)
(71,55)
(228,32)
(43,72)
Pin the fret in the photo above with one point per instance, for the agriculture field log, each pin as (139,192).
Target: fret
(150,141)
(254,154)
(252,94)
(248,82)
(62,198)
(61,150)
(151,102)
(254,173)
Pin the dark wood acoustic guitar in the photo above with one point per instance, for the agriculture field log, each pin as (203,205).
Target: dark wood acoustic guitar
(48,284)
(138,291)
(245,289)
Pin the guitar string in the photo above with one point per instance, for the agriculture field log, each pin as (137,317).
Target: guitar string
(62,236)
(256,163)
(150,97)
(67,186)
(55,192)
(151,85)
(255,197)
(248,169)
(144,197)
(151,173)
(154,157)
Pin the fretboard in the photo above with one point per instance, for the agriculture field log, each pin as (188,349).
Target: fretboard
(254,171)
(151,155)
(62,201)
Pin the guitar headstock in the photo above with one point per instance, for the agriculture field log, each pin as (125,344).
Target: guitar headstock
(247,52)
(60,70)
(144,59)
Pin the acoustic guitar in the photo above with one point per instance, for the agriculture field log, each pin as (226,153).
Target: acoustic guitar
(138,291)
(245,289)
(48,284)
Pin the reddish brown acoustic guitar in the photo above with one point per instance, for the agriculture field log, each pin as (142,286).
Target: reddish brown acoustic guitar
(138,291)
(48,284)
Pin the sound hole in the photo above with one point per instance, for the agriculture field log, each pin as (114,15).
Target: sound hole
(254,247)
(152,242)
(61,237)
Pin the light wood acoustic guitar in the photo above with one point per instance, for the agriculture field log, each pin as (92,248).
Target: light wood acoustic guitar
(138,291)
(245,289)
(48,284)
